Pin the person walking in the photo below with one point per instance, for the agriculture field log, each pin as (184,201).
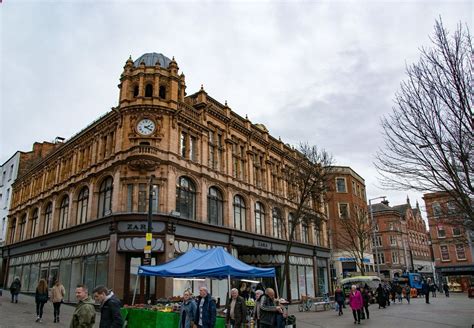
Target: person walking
(110,305)
(206,310)
(269,309)
(446,289)
(256,309)
(84,313)
(236,315)
(57,296)
(433,288)
(366,299)
(356,302)
(407,293)
(425,289)
(41,297)
(340,298)
(381,298)
(15,288)
(399,291)
(187,310)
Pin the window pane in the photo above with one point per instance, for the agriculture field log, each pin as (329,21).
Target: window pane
(102,270)
(25,277)
(340,185)
(34,276)
(65,278)
(130,198)
(294,282)
(89,274)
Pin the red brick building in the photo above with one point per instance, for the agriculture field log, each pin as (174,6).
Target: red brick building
(452,245)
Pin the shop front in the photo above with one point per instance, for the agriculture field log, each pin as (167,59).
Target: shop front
(458,278)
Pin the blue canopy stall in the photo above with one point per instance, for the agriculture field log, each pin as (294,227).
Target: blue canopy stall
(210,263)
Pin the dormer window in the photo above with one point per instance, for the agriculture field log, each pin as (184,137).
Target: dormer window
(149,90)
(135,91)
(162,92)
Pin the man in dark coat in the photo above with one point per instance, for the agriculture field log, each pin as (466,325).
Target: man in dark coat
(268,309)
(15,289)
(110,316)
(236,314)
(425,289)
(206,310)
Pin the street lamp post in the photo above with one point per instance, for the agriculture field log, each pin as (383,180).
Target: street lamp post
(149,236)
(373,232)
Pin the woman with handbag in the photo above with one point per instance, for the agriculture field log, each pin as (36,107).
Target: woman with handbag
(41,297)
(57,297)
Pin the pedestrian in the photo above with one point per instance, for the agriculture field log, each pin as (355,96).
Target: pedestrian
(187,310)
(356,302)
(446,289)
(407,293)
(206,310)
(269,309)
(399,291)
(387,293)
(15,288)
(84,313)
(366,299)
(381,298)
(41,297)
(244,291)
(110,305)
(425,289)
(340,298)
(433,289)
(57,296)
(236,315)
(256,309)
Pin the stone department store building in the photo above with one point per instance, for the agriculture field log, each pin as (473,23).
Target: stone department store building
(80,214)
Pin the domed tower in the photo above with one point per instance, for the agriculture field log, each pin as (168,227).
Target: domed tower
(152,79)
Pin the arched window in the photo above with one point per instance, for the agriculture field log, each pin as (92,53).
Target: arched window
(239,212)
(259,218)
(82,204)
(186,198)
(148,90)
(12,231)
(215,205)
(135,91)
(277,223)
(34,223)
(47,218)
(304,233)
(105,197)
(22,227)
(162,92)
(64,212)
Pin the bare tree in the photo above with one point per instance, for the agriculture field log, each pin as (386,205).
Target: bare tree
(429,136)
(355,238)
(307,179)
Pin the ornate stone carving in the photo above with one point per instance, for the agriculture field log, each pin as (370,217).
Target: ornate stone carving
(143,164)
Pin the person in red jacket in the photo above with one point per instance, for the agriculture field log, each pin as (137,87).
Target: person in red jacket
(356,302)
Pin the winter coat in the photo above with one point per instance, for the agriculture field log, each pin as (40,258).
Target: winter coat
(268,311)
(15,286)
(425,288)
(208,312)
(339,296)
(365,297)
(110,316)
(190,308)
(355,300)
(57,293)
(41,297)
(84,314)
(240,311)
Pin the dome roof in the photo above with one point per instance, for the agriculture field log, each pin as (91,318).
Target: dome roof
(151,58)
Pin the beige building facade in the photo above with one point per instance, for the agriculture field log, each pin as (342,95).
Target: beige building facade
(80,214)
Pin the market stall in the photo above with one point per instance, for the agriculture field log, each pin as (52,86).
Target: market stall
(214,263)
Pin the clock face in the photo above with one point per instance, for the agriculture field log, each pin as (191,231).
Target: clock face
(146,127)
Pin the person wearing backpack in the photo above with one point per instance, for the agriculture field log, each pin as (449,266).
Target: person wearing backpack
(41,297)
(15,289)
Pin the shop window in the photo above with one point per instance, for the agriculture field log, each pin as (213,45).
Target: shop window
(186,198)
(76,277)
(65,278)
(148,90)
(82,204)
(460,252)
(215,206)
(341,185)
(34,277)
(259,218)
(105,197)
(64,213)
(444,252)
(239,213)
(25,277)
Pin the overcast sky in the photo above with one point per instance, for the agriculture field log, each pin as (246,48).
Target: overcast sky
(322,72)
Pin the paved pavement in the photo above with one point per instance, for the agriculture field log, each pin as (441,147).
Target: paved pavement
(456,311)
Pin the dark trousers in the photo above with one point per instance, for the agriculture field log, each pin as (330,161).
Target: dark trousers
(14,297)
(56,306)
(341,304)
(427,297)
(366,308)
(356,314)
(39,309)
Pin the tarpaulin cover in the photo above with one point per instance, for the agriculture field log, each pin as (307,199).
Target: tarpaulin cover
(210,263)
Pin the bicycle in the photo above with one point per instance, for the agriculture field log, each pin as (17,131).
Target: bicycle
(306,303)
